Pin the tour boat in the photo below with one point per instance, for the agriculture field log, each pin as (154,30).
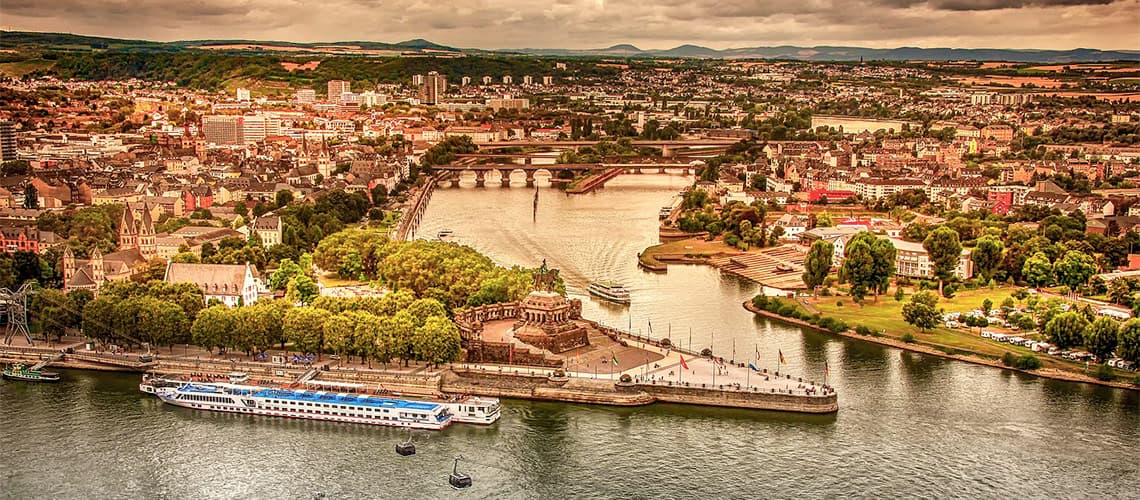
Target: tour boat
(23,373)
(321,405)
(610,291)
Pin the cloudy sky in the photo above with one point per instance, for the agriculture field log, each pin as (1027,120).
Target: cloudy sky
(649,24)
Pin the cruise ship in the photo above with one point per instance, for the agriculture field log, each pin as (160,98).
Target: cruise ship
(322,405)
(614,292)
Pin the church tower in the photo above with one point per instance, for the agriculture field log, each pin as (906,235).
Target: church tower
(128,232)
(68,266)
(147,242)
(324,162)
(97,274)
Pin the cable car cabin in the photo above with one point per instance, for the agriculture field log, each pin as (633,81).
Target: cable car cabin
(459,480)
(405,449)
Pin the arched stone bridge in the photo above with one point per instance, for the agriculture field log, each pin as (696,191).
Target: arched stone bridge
(504,171)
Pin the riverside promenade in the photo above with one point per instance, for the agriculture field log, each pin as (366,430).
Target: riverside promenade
(663,379)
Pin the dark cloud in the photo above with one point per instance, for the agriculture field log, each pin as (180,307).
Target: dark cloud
(1109,24)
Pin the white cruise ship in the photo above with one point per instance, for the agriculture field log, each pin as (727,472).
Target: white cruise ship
(609,290)
(321,405)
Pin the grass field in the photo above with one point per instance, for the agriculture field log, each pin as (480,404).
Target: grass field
(886,317)
(18,69)
(692,247)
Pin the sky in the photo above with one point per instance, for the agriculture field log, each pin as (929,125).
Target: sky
(582,24)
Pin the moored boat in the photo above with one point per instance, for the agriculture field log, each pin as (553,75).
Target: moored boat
(609,290)
(312,404)
(23,373)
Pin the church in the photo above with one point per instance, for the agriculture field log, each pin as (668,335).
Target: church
(137,245)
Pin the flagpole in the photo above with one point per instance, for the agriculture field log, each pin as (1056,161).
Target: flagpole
(712,356)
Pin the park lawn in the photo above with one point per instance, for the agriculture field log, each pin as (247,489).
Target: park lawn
(886,317)
(691,247)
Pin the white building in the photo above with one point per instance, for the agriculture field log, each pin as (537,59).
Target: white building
(232,285)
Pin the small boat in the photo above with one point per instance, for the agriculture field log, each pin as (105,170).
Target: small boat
(609,290)
(23,373)
(446,233)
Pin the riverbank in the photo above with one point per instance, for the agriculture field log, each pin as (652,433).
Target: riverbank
(919,347)
(768,392)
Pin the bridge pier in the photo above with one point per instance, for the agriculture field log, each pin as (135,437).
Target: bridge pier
(529,178)
(665,151)
(661,170)
(505,181)
(480,178)
(454,181)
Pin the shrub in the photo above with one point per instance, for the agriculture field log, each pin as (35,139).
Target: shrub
(839,303)
(1104,372)
(927,285)
(908,338)
(760,301)
(1009,359)
(826,292)
(903,281)
(863,330)
(949,290)
(837,326)
(787,310)
(1136,381)
(1028,362)
(625,378)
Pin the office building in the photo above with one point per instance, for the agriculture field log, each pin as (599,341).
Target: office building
(306,96)
(7,141)
(338,88)
(417,80)
(548,80)
(433,88)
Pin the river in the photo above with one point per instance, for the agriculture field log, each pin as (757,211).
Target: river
(909,424)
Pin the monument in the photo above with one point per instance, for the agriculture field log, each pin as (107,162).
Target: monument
(546,319)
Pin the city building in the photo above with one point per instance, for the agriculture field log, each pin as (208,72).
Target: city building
(433,87)
(548,80)
(7,141)
(528,80)
(912,260)
(231,284)
(337,88)
(243,94)
(487,80)
(306,96)
(465,81)
(137,245)
(222,129)
(417,80)
(508,103)
(507,80)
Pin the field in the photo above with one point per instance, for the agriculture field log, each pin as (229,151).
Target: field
(886,317)
(18,69)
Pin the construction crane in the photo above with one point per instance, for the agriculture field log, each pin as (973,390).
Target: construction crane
(16,305)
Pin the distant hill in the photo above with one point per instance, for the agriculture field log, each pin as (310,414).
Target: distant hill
(20,40)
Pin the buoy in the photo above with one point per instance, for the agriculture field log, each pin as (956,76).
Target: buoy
(458,480)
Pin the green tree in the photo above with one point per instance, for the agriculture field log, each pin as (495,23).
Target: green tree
(987,257)
(31,197)
(818,264)
(1128,341)
(302,289)
(55,312)
(1066,330)
(437,341)
(286,271)
(213,327)
(1101,337)
(922,310)
(399,333)
(987,304)
(366,335)
(283,198)
(339,333)
(304,327)
(945,253)
(1074,269)
(1037,270)
(859,269)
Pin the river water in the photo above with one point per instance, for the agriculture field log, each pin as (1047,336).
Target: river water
(909,425)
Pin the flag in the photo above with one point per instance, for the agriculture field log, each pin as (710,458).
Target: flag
(826,369)
(683,363)
(757,354)
(781,357)
(614,359)
(650,326)
(511,359)
(753,367)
